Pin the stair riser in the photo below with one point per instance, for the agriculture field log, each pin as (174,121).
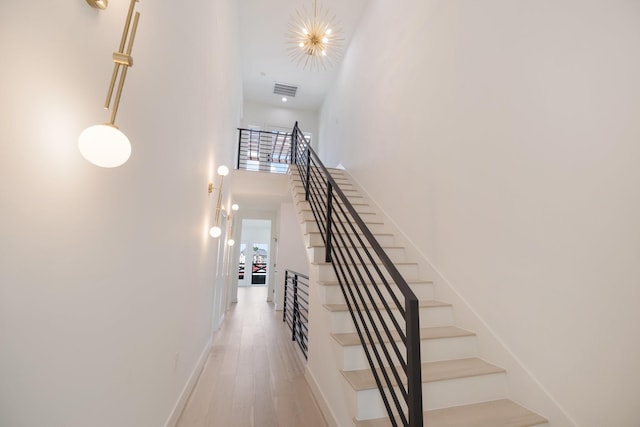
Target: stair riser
(439,394)
(353,357)
(360,206)
(429,317)
(345,185)
(317,254)
(333,294)
(352,195)
(327,274)
(315,239)
(310,226)
(307,215)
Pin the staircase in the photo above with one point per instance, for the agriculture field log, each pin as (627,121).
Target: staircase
(459,388)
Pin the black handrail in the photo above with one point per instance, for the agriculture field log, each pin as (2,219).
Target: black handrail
(296,307)
(365,275)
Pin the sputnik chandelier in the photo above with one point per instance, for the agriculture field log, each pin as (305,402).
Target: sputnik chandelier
(314,38)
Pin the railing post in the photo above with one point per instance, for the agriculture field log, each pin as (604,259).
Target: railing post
(295,307)
(414,374)
(306,189)
(327,256)
(294,144)
(286,286)
(239,148)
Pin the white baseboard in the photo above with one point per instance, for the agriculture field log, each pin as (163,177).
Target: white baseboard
(327,413)
(188,387)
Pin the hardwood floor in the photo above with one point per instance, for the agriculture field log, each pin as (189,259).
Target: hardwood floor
(254,375)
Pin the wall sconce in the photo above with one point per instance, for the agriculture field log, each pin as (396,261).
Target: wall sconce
(98,4)
(234,208)
(105,145)
(216,231)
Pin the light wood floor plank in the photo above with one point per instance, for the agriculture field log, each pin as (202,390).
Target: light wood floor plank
(254,375)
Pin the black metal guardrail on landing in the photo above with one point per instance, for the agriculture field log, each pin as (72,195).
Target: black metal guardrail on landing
(263,151)
(296,307)
(383,307)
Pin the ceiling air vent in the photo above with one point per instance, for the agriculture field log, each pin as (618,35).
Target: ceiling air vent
(285,89)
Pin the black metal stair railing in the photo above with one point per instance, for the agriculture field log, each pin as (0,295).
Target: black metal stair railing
(296,307)
(265,151)
(383,307)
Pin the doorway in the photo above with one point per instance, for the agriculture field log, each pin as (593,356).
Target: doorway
(253,260)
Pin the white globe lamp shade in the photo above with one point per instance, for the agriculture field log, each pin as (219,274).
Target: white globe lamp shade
(231,242)
(215,232)
(235,207)
(104,146)
(223,170)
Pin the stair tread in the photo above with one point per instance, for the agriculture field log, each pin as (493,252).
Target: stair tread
(438,332)
(496,413)
(363,379)
(421,304)
(409,282)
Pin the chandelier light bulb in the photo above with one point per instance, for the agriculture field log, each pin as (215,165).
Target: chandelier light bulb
(215,232)
(235,207)
(231,242)
(104,145)
(328,31)
(223,170)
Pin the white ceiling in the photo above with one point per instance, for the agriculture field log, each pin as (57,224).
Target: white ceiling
(265,60)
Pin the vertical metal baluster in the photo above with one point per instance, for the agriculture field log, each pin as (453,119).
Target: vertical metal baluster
(327,257)
(286,286)
(295,307)
(413,357)
(306,190)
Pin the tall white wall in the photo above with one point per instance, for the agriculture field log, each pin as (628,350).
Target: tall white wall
(503,138)
(266,116)
(106,276)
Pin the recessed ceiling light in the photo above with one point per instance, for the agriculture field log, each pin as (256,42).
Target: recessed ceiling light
(284,99)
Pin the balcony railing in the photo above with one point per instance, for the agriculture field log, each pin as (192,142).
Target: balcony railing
(264,151)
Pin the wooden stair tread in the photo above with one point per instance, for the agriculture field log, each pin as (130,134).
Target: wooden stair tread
(421,304)
(409,282)
(496,413)
(439,332)
(363,379)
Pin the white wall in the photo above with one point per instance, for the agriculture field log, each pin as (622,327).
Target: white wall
(292,252)
(265,116)
(513,129)
(106,276)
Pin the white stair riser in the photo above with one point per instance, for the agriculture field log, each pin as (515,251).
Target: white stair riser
(360,206)
(351,194)
(315,239)
(345,185)
(439,394)
(429,317)
(327,274)
(395,254)
(353,357)
(311,226)
(332,294)
(307,215)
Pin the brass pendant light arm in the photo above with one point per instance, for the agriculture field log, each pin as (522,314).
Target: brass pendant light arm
(120,58)
(219,204)
(126,61)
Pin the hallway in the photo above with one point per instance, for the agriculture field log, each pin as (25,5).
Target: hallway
(254,375)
